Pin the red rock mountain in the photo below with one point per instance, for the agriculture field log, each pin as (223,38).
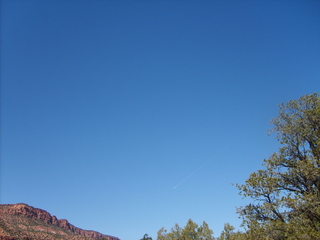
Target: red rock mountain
(21,221)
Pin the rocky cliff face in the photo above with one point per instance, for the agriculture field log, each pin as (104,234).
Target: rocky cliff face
(20,221)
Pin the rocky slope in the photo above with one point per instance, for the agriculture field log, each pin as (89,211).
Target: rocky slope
(20,221)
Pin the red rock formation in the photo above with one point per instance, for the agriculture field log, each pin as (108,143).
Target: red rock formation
(7,238)
(25,210)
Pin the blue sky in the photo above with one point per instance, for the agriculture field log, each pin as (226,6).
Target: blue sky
(106,106)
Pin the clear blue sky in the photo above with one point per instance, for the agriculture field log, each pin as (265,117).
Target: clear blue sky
(106,106)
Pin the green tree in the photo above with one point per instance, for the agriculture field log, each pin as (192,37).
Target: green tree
(162,234)
(229,234)
(286,192)
(205,232)
(190,232)
(146,237)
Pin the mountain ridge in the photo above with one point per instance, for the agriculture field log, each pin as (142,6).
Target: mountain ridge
(21,221)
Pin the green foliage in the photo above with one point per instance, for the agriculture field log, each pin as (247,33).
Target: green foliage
(190,232)
(286,192)
(229,234)
(146,237)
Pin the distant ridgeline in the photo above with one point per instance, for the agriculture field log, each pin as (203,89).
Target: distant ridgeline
(21,221)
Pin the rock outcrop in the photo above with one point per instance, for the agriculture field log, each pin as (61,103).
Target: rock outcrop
(21,221)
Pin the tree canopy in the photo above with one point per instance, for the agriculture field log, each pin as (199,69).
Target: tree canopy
(190,232)
(229,234)
(146,237)
(286,192)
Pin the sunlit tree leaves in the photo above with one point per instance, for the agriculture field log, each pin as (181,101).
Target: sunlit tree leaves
(190,232)
(286,192)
